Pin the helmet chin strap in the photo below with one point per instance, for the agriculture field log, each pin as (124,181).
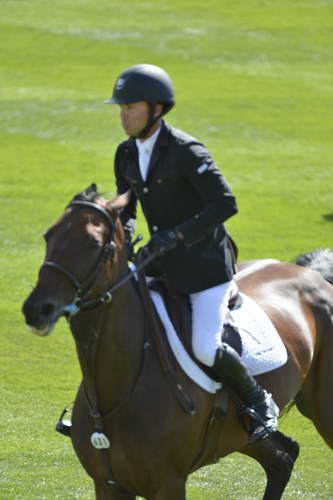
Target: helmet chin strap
(150,122)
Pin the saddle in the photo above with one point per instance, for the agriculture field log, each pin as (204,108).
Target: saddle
(179,309)
(180,312)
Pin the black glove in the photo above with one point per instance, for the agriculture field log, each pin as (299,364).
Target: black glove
(163,241)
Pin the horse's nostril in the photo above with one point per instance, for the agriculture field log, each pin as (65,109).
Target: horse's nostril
(47,309)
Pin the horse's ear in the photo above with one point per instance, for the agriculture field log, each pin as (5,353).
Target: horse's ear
(121,201)
(88,194)
(91,190)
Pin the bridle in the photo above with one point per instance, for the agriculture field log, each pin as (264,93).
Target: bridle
(84,286)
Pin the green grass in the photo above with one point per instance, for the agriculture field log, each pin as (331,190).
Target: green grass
(254,82)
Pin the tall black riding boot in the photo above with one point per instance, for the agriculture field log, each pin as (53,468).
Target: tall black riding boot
(259,404)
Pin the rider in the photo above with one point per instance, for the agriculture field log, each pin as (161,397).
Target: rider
(185,200)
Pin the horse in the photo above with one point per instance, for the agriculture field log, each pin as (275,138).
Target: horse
(129,430)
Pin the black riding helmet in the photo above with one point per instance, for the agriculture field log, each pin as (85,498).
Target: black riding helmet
(144,82)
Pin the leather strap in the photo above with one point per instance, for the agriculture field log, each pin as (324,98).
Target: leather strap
(159,342)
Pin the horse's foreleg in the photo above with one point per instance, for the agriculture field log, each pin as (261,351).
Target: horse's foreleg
(104,491)
(277,455)
(175,489)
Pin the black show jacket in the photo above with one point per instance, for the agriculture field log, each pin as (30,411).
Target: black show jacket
(183,190)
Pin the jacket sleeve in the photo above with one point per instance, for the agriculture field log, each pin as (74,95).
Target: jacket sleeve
(128,215)
(218,202)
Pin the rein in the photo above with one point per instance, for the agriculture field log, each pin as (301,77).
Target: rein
(89,304)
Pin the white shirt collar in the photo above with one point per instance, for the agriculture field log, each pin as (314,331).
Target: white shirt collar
(145,150)
(149,143)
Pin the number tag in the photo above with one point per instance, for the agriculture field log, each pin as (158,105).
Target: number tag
(99,440)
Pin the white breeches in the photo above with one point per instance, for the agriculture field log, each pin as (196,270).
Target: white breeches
(209,308)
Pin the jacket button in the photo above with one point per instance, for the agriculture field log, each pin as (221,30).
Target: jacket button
(145,190)
(155,228)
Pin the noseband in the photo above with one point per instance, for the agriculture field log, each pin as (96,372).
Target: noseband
(84,286)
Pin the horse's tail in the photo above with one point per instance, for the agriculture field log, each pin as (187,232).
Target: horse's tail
(320,260)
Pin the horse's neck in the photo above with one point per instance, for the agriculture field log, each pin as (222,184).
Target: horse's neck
(111,348)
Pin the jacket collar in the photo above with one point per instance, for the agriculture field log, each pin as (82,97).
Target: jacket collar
(162,141)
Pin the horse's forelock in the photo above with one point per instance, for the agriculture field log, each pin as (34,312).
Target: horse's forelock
(92,195)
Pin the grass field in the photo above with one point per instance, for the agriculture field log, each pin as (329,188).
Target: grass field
(254,82)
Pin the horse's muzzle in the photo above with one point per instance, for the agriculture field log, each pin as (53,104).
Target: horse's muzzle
(41,315)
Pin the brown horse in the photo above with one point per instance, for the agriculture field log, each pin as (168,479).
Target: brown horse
(128,429)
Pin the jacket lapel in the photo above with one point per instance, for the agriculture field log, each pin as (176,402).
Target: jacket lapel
(162,141)
(134,165)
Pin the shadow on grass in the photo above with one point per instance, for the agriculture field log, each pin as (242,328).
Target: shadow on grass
(328,217)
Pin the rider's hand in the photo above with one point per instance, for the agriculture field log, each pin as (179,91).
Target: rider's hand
(164,241)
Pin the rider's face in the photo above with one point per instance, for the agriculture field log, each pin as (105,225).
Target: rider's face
(134,117)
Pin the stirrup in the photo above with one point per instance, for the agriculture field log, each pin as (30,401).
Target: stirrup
(64,426)
(260,429)
(262,432)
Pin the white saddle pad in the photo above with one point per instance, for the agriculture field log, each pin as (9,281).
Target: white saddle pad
(262,348)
